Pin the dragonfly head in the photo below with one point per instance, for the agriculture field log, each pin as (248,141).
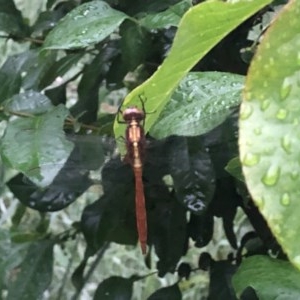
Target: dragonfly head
(133,113)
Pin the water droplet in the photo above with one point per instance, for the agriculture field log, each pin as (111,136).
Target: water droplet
(260,202)
(257,131)
(294,174)
(246,111)
(86,12)
(265,104)
(276,228)
(286,144)
(281,114)
(285,88)
(285,199)
(272,176)
(296,260)
(271,61)
(250,159)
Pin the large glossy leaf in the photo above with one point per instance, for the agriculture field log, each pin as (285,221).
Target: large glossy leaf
(269,130)
(202,27)
(201,102)
(114,288)
(35,272)
(27,146)
(271,278)
(71,181)
(86,25)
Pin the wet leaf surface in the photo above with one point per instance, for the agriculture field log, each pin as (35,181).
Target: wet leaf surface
(269,130)
(86,25)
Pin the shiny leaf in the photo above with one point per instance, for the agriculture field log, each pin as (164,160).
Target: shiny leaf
(86,25)
(270,278)
(269,130)
(27,146)
(31,102)
(202,27)
(201,102)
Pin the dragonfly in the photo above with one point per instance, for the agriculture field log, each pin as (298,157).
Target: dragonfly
(135,140)
(147,162)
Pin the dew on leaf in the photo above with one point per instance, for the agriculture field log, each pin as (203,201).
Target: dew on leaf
(271,61)
(285,89)
(296,260)
(257,131)
(272,176)
(250,159)
(281,114)
(246,111)
(265,104)
(276,228)
(285,199)
(286,144)
(259,202)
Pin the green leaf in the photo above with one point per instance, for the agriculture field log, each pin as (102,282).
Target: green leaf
(60,68)
(234,168)
(135,44)
(269,130)
(26,145)
(10,74)
(271,278)
(11,20)
(86,25)
(35,274)
(114,288)
(11,255)
(28,102)
(201,102)
(171,292)
(167,18)
(201,28)
(37,68)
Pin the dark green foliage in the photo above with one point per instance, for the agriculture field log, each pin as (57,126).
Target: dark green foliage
(192,172)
